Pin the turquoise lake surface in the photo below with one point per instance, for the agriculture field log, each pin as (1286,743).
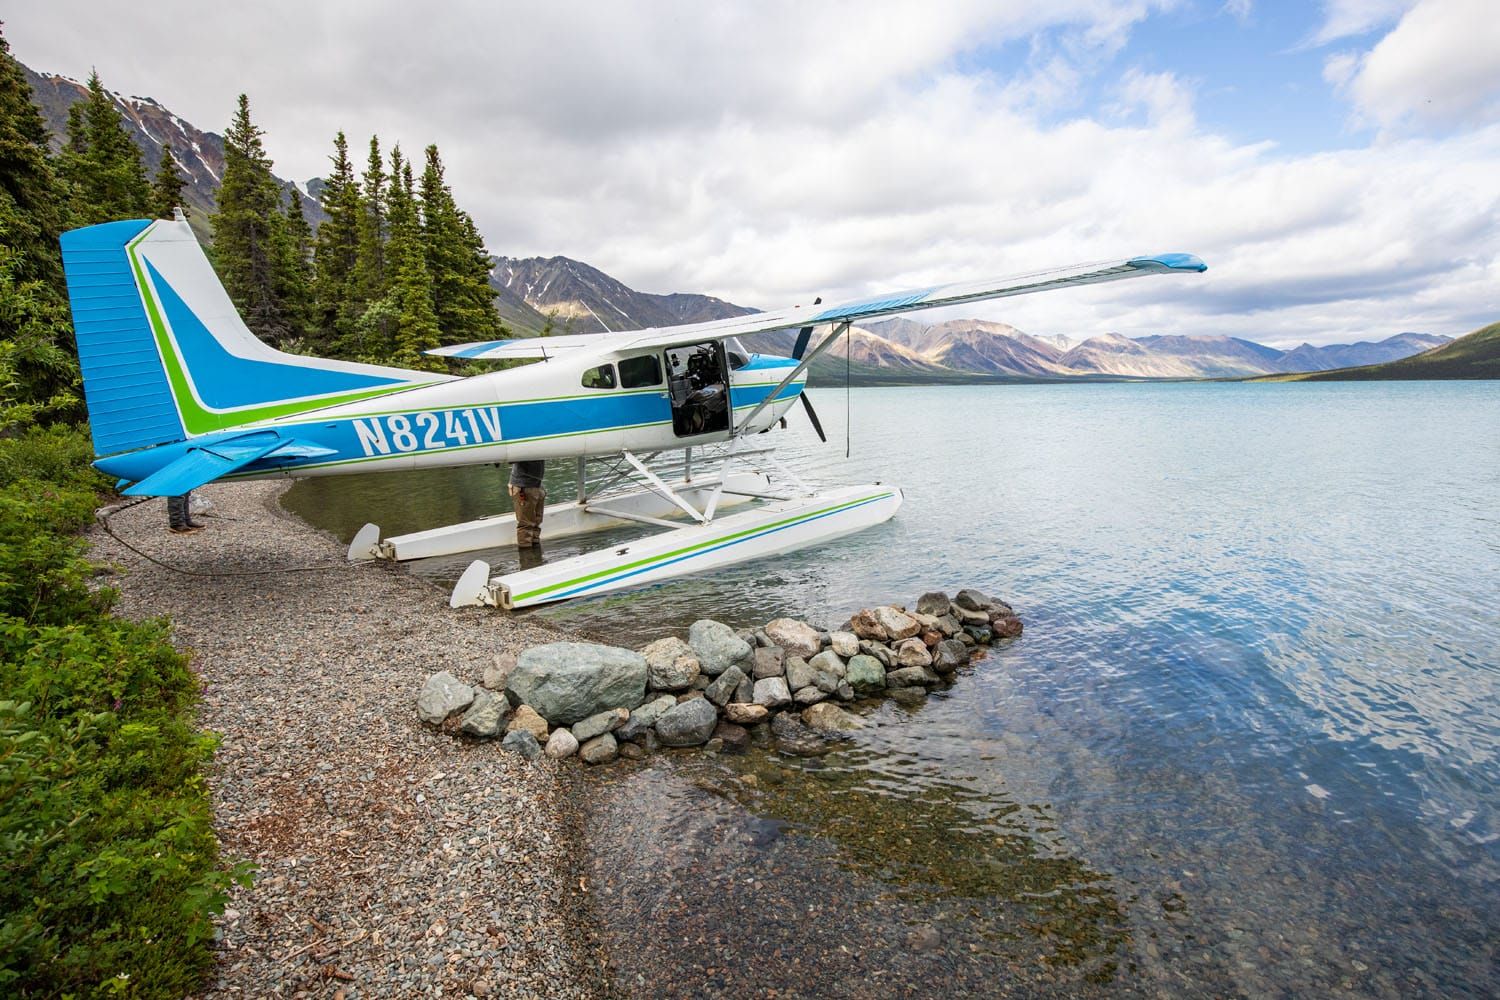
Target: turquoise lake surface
(1249,743)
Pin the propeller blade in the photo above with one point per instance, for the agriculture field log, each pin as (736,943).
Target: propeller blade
(812,415)
(804,336)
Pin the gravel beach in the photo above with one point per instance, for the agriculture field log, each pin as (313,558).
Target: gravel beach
(393,860)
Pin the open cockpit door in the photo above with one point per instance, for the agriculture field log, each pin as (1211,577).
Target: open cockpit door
(698,386)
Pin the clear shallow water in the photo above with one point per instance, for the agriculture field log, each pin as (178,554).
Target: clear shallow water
(1255,710)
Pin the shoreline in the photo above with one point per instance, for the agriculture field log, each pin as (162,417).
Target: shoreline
(391,859)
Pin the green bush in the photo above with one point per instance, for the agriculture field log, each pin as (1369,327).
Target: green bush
(109,871)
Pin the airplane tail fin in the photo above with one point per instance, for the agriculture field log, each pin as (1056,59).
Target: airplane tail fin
(165,355)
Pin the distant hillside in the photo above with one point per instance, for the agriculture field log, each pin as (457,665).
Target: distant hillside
(199,154)
(1308,358)
(1473,356)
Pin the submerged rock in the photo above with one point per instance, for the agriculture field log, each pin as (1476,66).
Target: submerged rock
(797,638)
(687,724)
(793,737)
(441,696)
(717,646)
(734,737)
(569,681)
(909,697)
(827,717)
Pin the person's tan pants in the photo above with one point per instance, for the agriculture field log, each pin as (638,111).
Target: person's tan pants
(528,501)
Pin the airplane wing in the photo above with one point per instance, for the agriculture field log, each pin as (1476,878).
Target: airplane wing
(204,463)
(857,309)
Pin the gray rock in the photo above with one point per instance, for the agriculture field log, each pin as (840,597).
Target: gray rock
(714,745)
(968,616)
(772,692)
(671,664)
(632,751)
(865,674)
(825,682)
(908,697)
(716,645)
(687,724)
(844,692)
(599,724)
(1006,626)
(809,695)
(845,644)
(829,662)
(644,717)
(905,677)
(799,674)
(913,653)
(746,690)
(522,742)
(769,662)
(569,681)
(793,737)
(972,600)
(948,625)
(600,750)
(949,655)
(878,650)
(485,716)
(827,717)
(746,714)
(982,634)
(797,638)
(561,744)
(441,696)
(933,603)
(701,682)
(734,737)
(497,673)
(897,623)
(723,689)
(968,640)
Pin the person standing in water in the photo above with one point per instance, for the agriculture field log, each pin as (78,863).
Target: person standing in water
(528,497)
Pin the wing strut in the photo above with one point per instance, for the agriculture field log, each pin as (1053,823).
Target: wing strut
(840,330)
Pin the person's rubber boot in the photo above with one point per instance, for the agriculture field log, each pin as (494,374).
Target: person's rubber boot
(178,521)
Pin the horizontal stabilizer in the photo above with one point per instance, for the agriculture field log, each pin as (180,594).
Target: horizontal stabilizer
(203,464)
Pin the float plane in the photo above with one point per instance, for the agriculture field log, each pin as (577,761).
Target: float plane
(180,393)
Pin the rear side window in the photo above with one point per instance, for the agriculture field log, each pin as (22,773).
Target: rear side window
(637,373)
(602,377)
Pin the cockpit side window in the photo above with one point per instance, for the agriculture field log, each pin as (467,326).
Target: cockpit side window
(602,377)
(638,373)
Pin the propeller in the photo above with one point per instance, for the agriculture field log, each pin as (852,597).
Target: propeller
(804,337)
(812,415)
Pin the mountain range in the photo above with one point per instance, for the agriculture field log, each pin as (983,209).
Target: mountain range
(564,295)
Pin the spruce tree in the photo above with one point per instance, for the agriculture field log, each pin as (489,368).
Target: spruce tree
(370,336)
(457,261)
(38,368)
(248,244)
(336,254)
(294,274)
(410,293)
(166,187)
(101,162)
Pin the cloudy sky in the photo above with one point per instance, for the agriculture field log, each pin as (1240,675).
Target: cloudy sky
(1336,163)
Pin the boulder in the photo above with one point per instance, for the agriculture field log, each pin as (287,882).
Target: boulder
(826,682)
(701,682)
(1006,626)
(723,689)
(879,650)
(797,638)
(644,717)
(793,737)
(933,603)
(968,616)
(799,674)
(746,690)
(561,744)
(968,640)
(687,724)
(865,625)
(897,623)
(716,645)
(597,725)
(913,653)
(948,625)
(671,664)
(772,692)
(844,692)
(485,716)
(632,751)
(567,682)
(441,696)
(949,655)
(527,720)
(734,737)
(905,677)
(843,644)
(972,600)
(600,750)
(498,672)
(745,714)
(769,661)
(865,674)
(829,662)
(827,717)
(982,634)
(809,695)
(521,741)
(908,697)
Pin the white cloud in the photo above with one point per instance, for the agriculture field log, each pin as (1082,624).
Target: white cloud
(770,152)
(1345,18)
(1439,67)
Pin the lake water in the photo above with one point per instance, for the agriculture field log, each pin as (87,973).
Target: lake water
(1249,743)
